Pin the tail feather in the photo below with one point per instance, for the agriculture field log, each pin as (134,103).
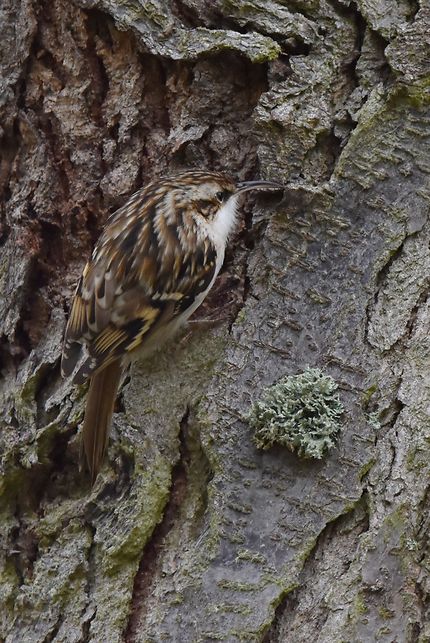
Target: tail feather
(98,415)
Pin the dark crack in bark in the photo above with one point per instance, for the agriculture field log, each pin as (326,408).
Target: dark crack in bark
(90,610)
(306,604)
(188,497)
(153,550)
(380,279)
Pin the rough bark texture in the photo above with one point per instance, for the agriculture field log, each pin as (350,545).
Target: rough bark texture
(191,534)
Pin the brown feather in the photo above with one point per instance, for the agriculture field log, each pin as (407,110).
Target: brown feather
(148,257)
(98,413)
(151,267)
(77,319)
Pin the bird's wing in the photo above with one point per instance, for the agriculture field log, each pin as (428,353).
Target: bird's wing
(148,267)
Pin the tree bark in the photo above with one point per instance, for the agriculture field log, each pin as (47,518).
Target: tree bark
(191,533)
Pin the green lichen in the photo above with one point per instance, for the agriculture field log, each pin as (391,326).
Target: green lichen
(368,394)
(129,538)
(386,613)
(360,606)
(416,95)
(373,420)
(417,459)
(383,631)
(9,581)
(177,599)
(251,556)
(364,470)
(237,586)
(266,54)
(214,636)
(232,608)
(396,520)
(241,316)
(301,412)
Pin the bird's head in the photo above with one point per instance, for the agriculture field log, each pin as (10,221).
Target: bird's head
(213,197)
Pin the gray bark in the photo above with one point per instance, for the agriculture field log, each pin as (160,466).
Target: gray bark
(191,533)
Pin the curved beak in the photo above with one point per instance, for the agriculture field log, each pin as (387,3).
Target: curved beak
(247,186)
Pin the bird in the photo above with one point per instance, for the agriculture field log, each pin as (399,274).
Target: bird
(152,266)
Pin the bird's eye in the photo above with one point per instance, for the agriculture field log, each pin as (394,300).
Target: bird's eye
(222,196)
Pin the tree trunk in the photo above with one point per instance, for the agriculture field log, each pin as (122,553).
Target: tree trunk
(192,534)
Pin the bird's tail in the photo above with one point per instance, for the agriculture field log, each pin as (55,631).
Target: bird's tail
(98,415)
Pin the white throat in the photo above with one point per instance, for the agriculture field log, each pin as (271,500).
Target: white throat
(224,222)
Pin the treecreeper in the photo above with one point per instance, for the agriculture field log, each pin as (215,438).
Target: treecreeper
(153,265)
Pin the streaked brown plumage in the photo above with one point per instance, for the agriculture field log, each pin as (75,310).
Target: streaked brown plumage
(152,266)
